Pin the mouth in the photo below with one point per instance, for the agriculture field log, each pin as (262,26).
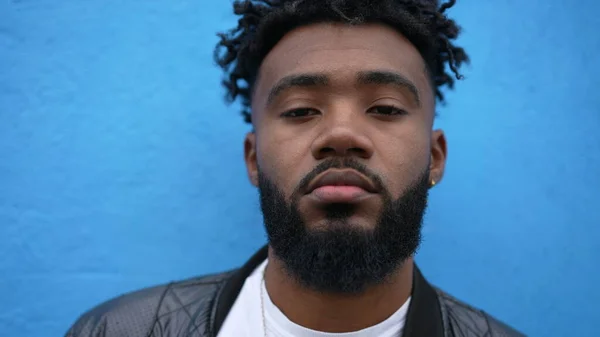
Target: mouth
(341,186)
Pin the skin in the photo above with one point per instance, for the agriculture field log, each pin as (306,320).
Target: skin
(380,124)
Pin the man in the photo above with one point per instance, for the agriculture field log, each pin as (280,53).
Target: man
(341,95)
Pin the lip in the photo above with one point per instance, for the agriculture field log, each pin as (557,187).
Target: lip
(341,178)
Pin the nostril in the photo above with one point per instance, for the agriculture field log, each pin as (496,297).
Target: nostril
(327,150)
(356,150)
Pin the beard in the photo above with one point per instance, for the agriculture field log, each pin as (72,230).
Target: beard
(341,257)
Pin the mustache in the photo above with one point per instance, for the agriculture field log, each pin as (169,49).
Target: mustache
(339,163)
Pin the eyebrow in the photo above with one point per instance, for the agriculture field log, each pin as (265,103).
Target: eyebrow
(376,77)
(300,80)
(383,77)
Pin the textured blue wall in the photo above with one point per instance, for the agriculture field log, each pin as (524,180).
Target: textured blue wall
(120,167)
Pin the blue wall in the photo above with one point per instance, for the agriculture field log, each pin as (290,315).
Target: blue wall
(120,166)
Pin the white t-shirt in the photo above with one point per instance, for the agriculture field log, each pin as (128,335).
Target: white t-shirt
(246,319)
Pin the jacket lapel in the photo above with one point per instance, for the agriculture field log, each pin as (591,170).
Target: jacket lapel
(424,318)
(231,289)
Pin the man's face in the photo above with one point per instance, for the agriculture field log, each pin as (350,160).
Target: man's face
(343,152)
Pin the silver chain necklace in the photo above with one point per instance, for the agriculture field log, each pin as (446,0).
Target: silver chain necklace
(262,304)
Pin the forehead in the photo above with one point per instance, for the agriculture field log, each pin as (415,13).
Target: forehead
(341,51)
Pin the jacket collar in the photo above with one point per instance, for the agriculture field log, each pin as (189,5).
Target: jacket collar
(424,316)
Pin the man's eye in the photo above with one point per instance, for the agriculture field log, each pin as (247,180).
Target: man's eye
(386,110)
(302,112)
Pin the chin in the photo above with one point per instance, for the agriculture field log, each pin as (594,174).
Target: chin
(353,223)
(344,215)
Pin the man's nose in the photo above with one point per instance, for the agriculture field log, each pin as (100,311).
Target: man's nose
(342,137)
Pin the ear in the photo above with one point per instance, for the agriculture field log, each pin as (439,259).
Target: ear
(439,153)
(250,158)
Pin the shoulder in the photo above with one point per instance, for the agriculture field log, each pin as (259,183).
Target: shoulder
(142,312)
(465,320)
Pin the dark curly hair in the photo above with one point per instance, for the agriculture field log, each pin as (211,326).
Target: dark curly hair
(263,23)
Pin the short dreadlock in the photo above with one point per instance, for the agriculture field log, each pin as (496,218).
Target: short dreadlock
(263,23)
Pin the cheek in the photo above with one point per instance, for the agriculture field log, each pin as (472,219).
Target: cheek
(405,158)
(282,163)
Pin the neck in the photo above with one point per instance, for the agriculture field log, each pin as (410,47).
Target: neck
(334,312)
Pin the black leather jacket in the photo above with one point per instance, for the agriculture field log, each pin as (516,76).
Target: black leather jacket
(198,307)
